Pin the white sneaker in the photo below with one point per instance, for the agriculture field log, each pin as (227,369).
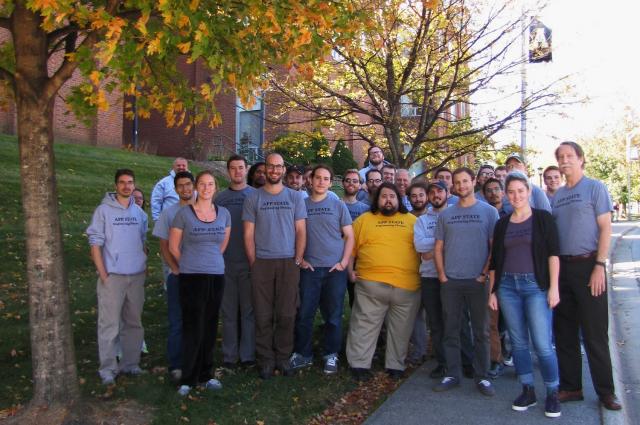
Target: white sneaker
(176,375)
(212,385)
(184,390)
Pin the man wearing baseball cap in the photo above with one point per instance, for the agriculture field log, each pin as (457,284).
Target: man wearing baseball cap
(538,199)
(295,179)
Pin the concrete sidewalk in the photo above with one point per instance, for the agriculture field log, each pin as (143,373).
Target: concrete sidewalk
(414,402)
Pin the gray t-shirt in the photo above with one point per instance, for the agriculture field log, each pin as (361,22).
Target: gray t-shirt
(233,200)
(466,233)
(161,228)
(201,240)
(576,210)
(274,217)
(518,255)
(356,209)
(325,220)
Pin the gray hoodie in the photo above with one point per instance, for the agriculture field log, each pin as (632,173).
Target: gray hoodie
(121,232)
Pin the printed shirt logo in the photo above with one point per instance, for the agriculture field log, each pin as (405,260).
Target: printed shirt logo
(567,200)
(125,221)
(320,211)
(275,205)
(464,218)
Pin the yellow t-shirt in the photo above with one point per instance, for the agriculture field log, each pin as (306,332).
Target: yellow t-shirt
(384,250)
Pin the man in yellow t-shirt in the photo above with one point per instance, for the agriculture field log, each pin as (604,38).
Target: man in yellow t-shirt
(387,283)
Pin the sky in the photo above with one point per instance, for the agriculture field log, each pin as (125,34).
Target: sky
(594,43)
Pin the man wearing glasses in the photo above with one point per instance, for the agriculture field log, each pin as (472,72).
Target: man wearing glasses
(351,185)
(274,238)
(485,173)
(373,180)
(376,161)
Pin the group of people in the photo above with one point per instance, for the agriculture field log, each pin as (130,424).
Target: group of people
(463,254)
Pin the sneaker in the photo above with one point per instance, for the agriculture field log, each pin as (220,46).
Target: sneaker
(552,407)
(298,361)
(248,364)
(285,368)
(266,371)
(175,375)
(447,383)
(526,399)
(108,379)
(144,349)
(135,371)
(184,390)
(508,361)
(212,385)
(495,370)
(485,388)
(438,373)
(331,365)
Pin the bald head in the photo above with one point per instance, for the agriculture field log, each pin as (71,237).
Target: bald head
(180,164)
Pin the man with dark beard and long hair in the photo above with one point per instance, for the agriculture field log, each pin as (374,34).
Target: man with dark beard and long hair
(387,283)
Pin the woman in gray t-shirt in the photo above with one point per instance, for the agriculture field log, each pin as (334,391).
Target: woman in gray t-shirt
(198,237)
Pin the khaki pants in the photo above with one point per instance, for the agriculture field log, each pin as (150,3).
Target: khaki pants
(373,302)
(120,302)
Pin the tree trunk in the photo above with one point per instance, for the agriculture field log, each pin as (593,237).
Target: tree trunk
(52,352)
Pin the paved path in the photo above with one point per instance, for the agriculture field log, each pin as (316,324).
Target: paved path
(415,403)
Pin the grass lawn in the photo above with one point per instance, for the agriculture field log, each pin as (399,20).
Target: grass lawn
(84,174)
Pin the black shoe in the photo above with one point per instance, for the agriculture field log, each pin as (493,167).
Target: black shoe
(361,374)
(229,365)
(495,370)
(467,371)
(266,371)
(552,407)
(248,364)
(610,402)
(285,368)
(395,374)
(526,399)
(438,373)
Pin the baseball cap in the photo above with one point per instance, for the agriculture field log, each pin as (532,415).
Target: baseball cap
(515,156)
(295,169)
(439,184)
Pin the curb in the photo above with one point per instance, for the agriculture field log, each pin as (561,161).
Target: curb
(609,417)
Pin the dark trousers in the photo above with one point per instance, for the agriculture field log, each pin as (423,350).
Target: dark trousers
(275,301)
(200,298)
(455,294)
(578,309)
(433,308)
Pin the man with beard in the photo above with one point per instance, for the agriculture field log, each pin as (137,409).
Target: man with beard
(184,188)
(424,240)
(387,283)
(376,161)
(417,193)
(373,181)
(351,186)
(274,238)
(403,180)
(445,175)
(295,179)
(552,180)
(256,175)
(237,308)
(463,242)
(494,194)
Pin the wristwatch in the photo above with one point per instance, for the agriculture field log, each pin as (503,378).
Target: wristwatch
(298,262)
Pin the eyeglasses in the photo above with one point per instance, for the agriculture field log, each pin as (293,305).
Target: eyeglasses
(487,173)
(184,185)
(376,181)
(275,166)
(351,181)
(493,190)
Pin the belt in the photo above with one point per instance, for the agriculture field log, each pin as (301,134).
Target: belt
(579,258)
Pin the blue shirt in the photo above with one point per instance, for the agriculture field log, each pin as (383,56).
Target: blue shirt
(163,195)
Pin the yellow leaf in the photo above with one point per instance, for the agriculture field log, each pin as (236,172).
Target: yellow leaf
(95,77)
(183,21)
(184,47)
(141,24)
(194,5)
(232,78)
(154,46)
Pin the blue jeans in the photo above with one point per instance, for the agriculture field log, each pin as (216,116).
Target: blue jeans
(326,290)
(526,311)
(174,340)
